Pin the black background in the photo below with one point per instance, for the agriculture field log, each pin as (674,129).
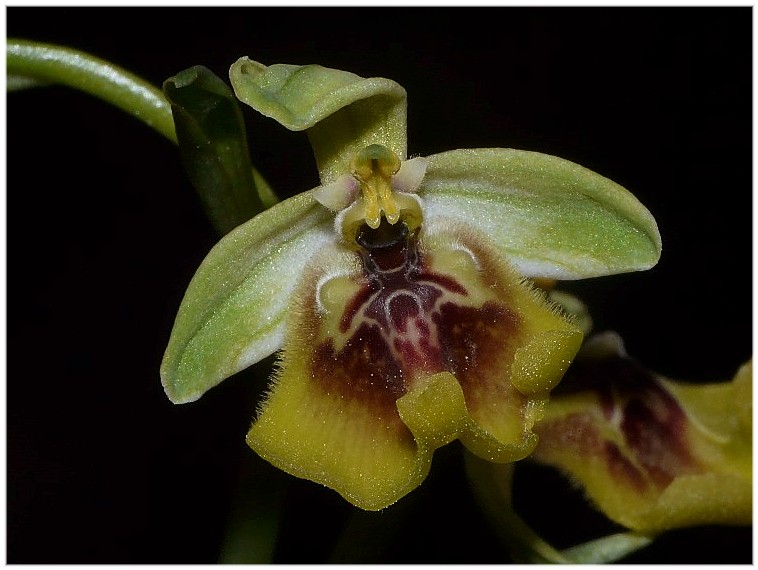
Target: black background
(104,233)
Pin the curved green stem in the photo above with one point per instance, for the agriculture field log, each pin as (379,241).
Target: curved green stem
(56,64)
(492,485)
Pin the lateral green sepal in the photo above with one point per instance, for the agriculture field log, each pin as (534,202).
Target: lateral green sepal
(233,312)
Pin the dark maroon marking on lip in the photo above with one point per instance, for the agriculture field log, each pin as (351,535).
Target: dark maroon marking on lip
(354,305)
(621,467)
(476,338)
(364,369)
(576,431)
(399,301)
(402,308)
(653,425)
(578,434)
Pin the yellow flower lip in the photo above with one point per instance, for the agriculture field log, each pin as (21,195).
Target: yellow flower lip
(431,337)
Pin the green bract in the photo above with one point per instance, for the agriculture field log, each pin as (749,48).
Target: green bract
(213,145)
(396,290)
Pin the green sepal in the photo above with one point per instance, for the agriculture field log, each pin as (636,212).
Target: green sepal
(550,217)
(213,145)
(341,112)
(232,314)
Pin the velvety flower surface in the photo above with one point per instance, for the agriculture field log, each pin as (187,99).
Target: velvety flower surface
(397,290)
(651,453)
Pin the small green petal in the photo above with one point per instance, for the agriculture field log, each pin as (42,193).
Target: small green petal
(550,217)
(232,313)
(342,112)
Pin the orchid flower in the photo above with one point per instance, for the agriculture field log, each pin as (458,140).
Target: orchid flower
(398,292)
(652,453)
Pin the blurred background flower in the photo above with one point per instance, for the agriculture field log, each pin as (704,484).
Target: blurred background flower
(651,453)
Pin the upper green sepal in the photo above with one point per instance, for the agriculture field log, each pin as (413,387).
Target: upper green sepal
(342,112)
(232,314)
(550,217)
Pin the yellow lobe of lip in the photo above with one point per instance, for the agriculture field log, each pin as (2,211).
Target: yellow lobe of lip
(373,168)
